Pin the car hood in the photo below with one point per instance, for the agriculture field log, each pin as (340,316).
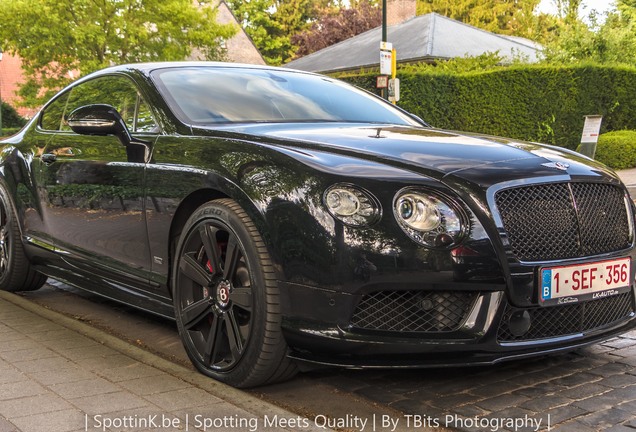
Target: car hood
(481,159)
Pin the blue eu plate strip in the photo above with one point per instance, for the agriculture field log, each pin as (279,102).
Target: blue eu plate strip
(546,284)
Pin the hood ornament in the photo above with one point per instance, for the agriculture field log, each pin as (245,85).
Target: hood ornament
(558,165)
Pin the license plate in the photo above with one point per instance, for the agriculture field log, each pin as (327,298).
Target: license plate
(582,282)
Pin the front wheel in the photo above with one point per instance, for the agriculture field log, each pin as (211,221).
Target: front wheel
(226,299)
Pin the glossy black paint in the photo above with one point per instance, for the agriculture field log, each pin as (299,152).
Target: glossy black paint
(106,216)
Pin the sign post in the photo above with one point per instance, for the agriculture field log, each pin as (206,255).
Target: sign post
(394,83)
(589,139)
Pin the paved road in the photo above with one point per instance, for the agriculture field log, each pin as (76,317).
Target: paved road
(592,389)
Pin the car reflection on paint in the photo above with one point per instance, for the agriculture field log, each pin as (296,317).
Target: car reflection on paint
(285,218)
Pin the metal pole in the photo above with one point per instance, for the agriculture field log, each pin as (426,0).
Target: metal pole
(383,91)
(383,20)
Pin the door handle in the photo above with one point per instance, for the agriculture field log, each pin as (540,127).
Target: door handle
(48,158)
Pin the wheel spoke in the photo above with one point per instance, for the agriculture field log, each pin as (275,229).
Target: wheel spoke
(233,335)
(213,341)
(192,314)
(211,246)
(242,297)
(232,256)
(194,271)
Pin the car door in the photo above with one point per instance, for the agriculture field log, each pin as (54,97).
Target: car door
(91,188)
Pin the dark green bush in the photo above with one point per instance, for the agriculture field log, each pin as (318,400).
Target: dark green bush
(617,149)
(10,117)
(544,103)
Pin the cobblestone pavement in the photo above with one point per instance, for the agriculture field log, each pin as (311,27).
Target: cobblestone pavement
(592,389)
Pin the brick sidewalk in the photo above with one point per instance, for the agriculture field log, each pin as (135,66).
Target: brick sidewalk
(59,375)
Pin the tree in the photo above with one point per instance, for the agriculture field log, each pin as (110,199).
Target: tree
(337,25)
(510,17)
(568,9)
(271,24)
(56,38)
(612,41)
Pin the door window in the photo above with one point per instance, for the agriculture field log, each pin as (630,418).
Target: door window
(116,91)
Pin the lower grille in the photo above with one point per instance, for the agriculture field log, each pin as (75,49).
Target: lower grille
(549,322)
(413,311)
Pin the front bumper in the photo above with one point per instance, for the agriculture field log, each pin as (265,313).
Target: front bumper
(490,330)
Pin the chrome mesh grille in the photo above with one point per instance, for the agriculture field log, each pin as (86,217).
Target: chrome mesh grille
(602,218)
(555,321)
(564,220)
(413,311)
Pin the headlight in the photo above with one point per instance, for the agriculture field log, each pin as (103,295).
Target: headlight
(430,219)
(352,205)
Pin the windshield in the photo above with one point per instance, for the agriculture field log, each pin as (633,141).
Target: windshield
(205,95)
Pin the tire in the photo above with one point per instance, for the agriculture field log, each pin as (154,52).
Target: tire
(226,299)
(16,272)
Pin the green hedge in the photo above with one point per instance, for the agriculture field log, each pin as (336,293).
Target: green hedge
(532,102)
(617,149)
(9,131)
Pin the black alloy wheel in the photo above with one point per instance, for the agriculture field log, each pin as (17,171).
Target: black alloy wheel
(226,298)
(16,272)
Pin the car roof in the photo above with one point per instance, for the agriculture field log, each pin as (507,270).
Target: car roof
(149,67)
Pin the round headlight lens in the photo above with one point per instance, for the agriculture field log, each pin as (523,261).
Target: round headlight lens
(418,212)
(406,209)
(343,202)
(352,205)
(430,219)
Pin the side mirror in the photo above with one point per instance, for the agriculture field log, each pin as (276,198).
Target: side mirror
(99,119)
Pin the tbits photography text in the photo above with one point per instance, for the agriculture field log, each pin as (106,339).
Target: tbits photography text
(383,423)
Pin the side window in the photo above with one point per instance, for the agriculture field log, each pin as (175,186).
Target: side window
(52,117)
(118,92)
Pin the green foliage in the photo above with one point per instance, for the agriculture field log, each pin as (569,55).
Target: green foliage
(617,149)
(531,102)
(256,18)
(483,62)
(272,23)
(608,41)
(505,17)
(57,38)
(11,118)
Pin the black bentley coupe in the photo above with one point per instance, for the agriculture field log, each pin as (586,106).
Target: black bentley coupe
(283,217)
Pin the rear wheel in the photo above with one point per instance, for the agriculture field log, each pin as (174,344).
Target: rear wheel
(226,299)
(16,272)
